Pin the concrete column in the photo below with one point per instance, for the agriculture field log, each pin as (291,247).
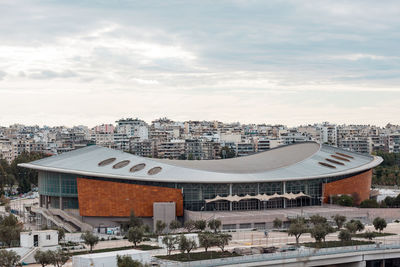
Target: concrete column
(284,192)
(61,203)
(230,193)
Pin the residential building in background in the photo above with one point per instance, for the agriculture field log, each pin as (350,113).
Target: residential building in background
(197,140)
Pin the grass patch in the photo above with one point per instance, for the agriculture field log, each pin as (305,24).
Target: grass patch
(376,234)
(198,256)
(140,247)
(333,244)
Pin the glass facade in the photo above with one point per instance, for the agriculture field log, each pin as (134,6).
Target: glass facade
(58,189)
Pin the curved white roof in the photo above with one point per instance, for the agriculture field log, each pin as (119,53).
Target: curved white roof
(293,162)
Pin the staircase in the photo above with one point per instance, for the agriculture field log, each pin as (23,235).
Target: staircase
(29,257)
(72,220)
(54,219)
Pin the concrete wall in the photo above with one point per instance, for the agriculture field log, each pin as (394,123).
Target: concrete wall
(163,211)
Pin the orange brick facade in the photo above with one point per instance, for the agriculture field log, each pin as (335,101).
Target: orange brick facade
(359,184)
(114,199)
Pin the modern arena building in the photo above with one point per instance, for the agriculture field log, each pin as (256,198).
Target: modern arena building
(103,185)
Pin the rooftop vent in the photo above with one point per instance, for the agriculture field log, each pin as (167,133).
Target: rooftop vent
(335,161)
(137,167)
(154,170)
(341,158)
(106,162)
(327,165)
(344,155)
(121,164)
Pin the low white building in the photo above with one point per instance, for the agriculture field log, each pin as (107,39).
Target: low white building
(45,238)
(109,259)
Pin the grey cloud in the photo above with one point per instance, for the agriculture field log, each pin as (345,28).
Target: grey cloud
(2,75)
(48,74)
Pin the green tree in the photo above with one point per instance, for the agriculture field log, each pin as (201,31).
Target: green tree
(317,219)
(160,227)
(297,228)
(369,235)
(61,233)
(58,258)
(200,225)
(134,221)
(44,257)
(90,239)
(277,223)
(379,224)
(127,261)
(207,240)
(320,231)
(214,224)
(222,240)
(359,225)
(351,227)
(369,203)
(25,176)
(174,225)
(135,235)
(189,225)
(170,242)
(9,258)
(10,229)
(339,220)
(345,200)
(186,245)
(344,235)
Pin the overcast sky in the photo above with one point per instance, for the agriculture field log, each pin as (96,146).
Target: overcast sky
(290,62)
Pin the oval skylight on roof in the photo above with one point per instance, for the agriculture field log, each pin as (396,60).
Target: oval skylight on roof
(121,164)
(334,161)
(106,162)
(340,158)
(345,155)
(154,170)
(137,167)
(327,165)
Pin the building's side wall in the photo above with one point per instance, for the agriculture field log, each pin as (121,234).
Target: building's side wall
(359,184)
(113,199)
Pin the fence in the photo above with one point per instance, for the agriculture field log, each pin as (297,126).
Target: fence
(300,253)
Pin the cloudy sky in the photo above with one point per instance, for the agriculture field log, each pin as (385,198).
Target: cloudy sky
(291,62)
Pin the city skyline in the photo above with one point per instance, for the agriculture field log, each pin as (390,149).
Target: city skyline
(281,62)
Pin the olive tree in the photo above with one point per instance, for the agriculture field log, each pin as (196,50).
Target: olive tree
(169,242)
(186,245)
(90,239)
(339,220)
(222,240)
(214,224)
(297,228)
(379,224)
(207,240)
(160,227)
(277,223)
(189,225)
(135,235)
(174,225)
(200,225)
(9,258)
(44,257)
(344,235)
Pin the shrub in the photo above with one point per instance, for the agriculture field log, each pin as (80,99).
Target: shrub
(369,203)
(345,200)
(379,223)
(344,235)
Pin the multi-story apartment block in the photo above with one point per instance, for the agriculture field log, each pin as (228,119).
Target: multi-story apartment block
(393,143)
(360,144)
(173,149)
